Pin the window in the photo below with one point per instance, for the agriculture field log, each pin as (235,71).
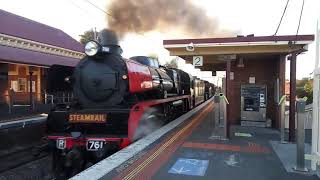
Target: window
(22,84)
(14,86)
(33,86)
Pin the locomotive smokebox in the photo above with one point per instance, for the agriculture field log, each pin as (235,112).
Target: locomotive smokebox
(98,81)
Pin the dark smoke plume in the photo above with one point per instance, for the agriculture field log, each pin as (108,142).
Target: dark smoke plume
(139,16)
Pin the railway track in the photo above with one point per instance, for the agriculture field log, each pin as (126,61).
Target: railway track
(21,157)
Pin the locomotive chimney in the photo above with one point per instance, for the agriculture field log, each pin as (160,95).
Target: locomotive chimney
(108,39)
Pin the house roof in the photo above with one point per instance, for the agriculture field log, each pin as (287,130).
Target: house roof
(21,27)
(23,56)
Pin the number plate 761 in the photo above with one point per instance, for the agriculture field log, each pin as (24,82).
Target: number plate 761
(95,145)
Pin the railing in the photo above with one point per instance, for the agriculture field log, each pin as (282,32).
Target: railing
(307,123)
(224,104)
(23,100)
(282,105)
(58,98)
(220,117)
(223,97)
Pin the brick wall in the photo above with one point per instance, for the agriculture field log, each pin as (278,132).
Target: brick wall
(265,69)
(22,71)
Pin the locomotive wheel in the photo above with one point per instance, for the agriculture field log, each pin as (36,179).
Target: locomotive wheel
(58,166)
(64,168)
(150,121)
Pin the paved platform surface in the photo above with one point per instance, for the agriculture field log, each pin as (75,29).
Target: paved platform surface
(189,153)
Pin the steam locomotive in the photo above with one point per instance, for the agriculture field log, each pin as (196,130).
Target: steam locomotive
(116,101)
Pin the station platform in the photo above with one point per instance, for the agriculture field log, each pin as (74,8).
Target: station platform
(189,152)
(23,121)
(20,134)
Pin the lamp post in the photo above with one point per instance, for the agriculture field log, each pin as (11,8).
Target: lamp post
(30,87)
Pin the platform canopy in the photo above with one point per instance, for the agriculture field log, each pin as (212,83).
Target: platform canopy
(27,57)
(215,51)
(247,60)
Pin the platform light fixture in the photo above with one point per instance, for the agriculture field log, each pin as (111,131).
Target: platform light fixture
(190,47)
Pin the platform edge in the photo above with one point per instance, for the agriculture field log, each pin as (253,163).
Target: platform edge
(105,166)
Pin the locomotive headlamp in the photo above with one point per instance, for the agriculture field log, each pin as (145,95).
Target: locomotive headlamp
(91,48)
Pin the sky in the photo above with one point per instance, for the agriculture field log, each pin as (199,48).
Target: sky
(259,17)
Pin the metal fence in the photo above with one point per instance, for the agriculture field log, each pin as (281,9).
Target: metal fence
(15,100)
(308,121)
(61,97)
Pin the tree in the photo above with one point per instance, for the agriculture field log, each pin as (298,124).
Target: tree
(302,82)
(87,36)
(308,88)
(171,64)
(300,92)
(305,89)
(153,56)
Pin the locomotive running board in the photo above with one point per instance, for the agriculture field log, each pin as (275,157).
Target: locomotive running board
(105,166)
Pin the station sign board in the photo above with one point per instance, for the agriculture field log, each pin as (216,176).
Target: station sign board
(197,61)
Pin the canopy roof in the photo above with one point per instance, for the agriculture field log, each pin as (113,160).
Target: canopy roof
(22,56)
(217,50)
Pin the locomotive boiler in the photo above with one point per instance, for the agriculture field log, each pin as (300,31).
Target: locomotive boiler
(116,101)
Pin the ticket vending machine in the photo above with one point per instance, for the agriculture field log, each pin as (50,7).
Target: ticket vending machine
(253,105)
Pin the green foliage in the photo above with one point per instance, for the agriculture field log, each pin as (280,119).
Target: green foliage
(308,88)
(87,36)
(302,82)
(300,92)
(305,89)
(154,56)
(172,64)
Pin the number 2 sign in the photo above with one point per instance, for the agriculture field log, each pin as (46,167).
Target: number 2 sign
(198,60)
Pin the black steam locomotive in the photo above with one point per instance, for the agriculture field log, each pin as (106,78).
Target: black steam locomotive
(116,102)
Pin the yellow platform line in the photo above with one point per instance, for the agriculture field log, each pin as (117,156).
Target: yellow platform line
(164,146)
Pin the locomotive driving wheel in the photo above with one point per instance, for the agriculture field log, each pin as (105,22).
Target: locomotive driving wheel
(150,121)
(66,166)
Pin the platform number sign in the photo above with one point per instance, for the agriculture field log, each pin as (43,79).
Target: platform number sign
(197,61)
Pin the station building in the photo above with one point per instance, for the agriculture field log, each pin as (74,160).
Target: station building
(255,72)
(27,50)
